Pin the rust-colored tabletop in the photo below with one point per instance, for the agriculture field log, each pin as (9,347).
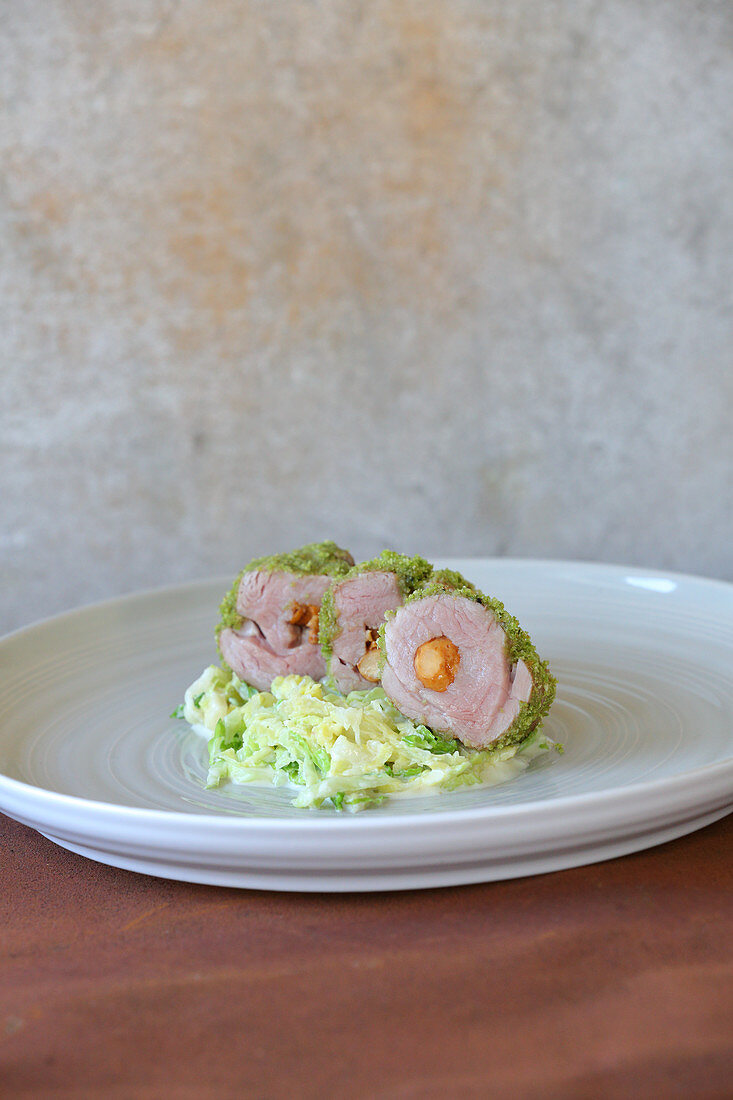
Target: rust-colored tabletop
(613,980)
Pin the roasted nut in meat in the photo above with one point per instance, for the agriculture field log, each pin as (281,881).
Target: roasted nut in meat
(306,614)
(436,663)
(368,666)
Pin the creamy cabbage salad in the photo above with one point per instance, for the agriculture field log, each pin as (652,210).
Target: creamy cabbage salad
(341,751)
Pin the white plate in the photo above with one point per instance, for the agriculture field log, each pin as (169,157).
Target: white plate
(644,660)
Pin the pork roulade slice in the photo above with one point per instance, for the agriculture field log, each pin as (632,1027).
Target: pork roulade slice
(456,661)
(353,610)
(269,618)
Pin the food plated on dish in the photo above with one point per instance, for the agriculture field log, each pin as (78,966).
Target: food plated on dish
(644,662)
(355,682)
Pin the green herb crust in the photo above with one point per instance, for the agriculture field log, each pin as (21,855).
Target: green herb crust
(410,574)
(449,579)
(518,647)
(324,558)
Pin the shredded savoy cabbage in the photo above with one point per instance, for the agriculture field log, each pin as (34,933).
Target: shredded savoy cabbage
(346,752)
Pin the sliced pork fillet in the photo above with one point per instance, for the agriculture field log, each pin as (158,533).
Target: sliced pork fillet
(457,662)
(353,611)
(269,624)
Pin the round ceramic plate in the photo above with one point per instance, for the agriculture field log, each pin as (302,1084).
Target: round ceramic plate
(644,662)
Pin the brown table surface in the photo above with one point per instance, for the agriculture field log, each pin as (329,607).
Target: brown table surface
(614,980)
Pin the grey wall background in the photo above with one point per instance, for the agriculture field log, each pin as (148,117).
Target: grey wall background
(447,275)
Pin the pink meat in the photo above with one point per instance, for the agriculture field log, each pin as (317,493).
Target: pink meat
(484,698)
(249,656)
(361,603)
(267,644)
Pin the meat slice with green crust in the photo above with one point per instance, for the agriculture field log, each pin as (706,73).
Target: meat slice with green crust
(269,618)
(353,610)
(456,661)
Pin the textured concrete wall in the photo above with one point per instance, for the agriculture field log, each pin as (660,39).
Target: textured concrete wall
(446,275)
